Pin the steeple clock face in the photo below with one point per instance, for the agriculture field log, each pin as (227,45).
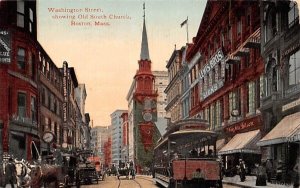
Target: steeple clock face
(147,116)
(147,112)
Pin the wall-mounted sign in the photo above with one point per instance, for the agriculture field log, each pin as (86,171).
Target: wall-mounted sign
(216,58)
(251,123)
(291,105)
(5,46)
(212,89)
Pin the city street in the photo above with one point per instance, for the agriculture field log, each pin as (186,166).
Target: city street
(139,182)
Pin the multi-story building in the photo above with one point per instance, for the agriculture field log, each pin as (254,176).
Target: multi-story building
(226,80)
(280,48)
(100,135)
(117,134)
(173,90)
(87,132)
(19,59)
(107,153)
(131,129)
(50,101)
(80,97)
(161,82)
(70,107)
(125,138)
(37,97)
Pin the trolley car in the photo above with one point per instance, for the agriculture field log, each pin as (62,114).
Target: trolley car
(185,151)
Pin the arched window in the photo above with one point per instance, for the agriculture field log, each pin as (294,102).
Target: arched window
(271,77)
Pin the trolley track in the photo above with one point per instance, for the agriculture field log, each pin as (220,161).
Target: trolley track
(134,180)
(140,177)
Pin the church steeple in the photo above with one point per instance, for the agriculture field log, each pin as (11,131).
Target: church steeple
(144,47)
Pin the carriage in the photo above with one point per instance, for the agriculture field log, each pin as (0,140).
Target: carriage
(125,169)
(186,156)
(86,170)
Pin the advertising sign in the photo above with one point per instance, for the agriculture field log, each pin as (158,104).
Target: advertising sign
(5,46)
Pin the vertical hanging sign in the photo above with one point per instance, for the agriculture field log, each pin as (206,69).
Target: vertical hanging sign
(5,46)
(65,91)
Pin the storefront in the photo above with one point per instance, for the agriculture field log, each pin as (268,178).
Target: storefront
(241,146)
(282,143)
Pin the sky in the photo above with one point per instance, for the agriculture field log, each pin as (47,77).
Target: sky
(105,57)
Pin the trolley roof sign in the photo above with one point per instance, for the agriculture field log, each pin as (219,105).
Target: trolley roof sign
(5,46)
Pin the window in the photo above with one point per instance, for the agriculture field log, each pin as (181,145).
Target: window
(239,26)
(294,69)
(218,114)
(293,14)
(251,97)
(20,13)
(22,105)
(21,58)
(30,20)
(234,103)
(33,67)
(212,117)
(33,109)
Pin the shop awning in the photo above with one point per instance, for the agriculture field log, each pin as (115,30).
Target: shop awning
(242,143)
(220,143)
(283,131)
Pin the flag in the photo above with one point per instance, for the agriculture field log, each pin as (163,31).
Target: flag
(183,23)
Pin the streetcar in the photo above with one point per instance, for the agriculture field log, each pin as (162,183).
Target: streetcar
(186,151)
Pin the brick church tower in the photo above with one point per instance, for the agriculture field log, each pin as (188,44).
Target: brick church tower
(145,115)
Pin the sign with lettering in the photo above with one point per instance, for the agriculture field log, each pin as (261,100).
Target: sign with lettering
(246,124)
(291,105)
(212,89)
(5,46)
(65,91)
(216,58)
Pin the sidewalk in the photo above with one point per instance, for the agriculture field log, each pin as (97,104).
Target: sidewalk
(250,182)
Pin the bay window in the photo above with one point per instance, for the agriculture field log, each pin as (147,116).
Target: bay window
(294,68)
(22,105)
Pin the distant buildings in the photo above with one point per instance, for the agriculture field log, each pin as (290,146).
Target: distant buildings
(100,135)
(117,135)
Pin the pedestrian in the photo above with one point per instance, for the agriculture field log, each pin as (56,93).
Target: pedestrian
(10,173)
(242,168)
(269,169)
(261,175)
(199,179)
(279,170)
(296,170)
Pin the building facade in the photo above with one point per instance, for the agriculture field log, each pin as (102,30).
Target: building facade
(161,82)
(50,101)
(226,76)
(125,138)
(19,58)
(100,135)
(173,90)
(280,47)
(117,135)
(131,129)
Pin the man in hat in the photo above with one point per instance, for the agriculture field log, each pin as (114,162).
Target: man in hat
(10,173)
(242,168)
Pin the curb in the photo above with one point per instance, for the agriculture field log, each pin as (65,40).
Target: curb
(235,184)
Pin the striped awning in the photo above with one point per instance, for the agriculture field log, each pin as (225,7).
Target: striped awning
(242,143)
(283,131)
